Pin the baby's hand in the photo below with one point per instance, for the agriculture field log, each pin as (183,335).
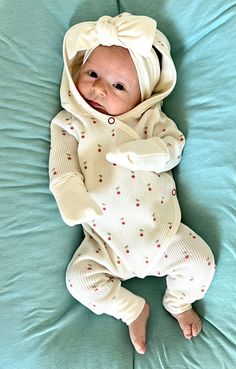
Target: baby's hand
(121,157)
(75,204)
(149,155)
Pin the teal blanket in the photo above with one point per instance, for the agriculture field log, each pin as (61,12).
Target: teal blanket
(41,325)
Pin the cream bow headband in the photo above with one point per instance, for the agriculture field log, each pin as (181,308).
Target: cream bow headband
(135,33)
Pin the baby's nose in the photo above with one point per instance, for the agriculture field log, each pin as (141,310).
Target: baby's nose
(100,87)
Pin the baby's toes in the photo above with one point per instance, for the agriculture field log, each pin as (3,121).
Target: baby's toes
(196,328)
(187,331)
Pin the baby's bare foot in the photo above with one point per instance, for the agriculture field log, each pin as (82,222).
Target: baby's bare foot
(190,323)
(137,331)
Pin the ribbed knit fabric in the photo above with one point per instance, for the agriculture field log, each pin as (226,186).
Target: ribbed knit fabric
(96,286)
(94,278)
(189,265)
(135,208)
(136,233)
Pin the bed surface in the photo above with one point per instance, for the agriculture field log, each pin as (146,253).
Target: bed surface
(41,325)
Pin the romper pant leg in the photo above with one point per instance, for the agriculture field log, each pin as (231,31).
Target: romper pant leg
(190,269)
(94,285)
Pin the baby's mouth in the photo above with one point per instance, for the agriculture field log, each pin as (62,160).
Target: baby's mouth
(96,106)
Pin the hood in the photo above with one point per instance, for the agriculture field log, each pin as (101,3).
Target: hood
(138,34)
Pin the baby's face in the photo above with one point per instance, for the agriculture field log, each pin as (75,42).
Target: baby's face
(108,81)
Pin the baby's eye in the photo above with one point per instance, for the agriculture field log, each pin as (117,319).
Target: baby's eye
(92,74)
(119,86)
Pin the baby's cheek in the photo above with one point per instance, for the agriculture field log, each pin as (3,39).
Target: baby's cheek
(77,85)
(81,88)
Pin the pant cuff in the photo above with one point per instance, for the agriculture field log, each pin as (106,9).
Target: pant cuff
(126,306)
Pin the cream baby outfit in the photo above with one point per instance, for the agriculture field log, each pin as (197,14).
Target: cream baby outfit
(112,175)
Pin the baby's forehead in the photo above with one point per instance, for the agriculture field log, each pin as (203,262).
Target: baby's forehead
(108,52)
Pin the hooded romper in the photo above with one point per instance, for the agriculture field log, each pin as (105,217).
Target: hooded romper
(112,175)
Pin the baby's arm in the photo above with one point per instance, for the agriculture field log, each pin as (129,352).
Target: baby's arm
(66,180)
(159,153)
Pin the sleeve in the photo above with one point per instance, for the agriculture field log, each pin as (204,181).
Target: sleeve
(159,153)
(66,180)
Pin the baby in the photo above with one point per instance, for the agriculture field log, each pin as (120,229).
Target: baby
(111,155)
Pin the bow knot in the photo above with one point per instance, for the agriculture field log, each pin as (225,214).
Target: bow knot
(107,31)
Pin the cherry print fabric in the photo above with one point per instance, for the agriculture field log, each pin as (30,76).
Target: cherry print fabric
(94,276)
(134,214)
(124,205)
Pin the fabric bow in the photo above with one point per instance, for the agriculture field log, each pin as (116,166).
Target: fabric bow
(133,32)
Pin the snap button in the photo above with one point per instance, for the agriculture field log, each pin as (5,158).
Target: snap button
(111,120)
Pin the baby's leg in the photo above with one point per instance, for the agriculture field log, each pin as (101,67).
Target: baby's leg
(190,272)
(93,285)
